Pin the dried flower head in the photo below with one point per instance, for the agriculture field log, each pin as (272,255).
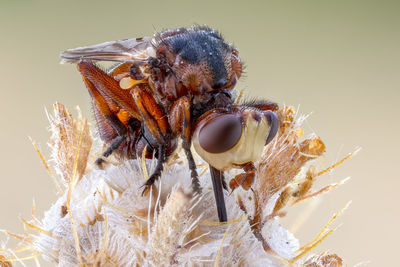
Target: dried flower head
(66,140)
(101,218)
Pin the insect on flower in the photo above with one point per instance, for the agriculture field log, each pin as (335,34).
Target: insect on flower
(176,84)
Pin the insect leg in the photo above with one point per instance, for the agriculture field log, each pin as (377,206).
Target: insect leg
(113,146)
(106,118)
(245,179)
(156,123)
(180,124)
(192,167)
(216,177)
(152,115)
(159,167)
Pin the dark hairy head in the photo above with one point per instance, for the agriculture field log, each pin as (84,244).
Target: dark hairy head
(200,58)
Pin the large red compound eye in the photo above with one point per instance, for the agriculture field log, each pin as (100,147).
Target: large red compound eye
(221,134)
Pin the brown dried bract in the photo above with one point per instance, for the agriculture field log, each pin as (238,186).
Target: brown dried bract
(69,135)
(297,190)
(281,161)
(283,158)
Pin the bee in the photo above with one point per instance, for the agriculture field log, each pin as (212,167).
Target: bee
(175,85)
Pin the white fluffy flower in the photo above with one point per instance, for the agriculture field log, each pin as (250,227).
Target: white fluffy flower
(102,219)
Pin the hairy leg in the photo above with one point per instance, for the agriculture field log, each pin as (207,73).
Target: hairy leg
(155,126)
(180,123)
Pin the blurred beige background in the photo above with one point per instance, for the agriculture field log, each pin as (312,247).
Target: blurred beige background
(338,59)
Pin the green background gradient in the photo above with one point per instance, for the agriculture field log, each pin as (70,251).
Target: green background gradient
(339,60)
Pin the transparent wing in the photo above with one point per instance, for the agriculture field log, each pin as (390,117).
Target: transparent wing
(120,51)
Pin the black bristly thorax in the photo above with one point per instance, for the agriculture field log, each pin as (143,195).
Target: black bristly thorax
(204,45)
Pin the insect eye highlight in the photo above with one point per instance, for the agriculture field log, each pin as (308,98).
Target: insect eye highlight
(221,134)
